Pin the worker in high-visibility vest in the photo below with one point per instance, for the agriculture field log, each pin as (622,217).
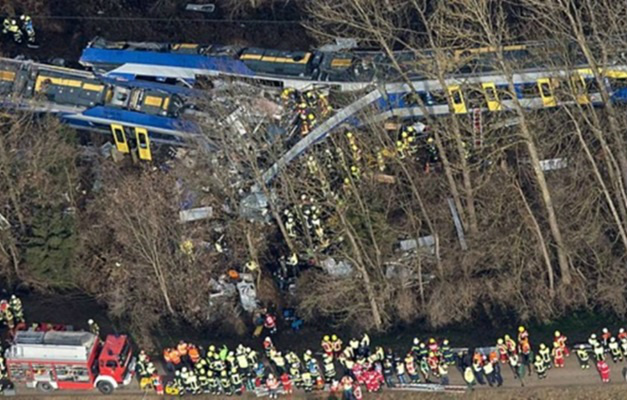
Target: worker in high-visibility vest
(27,26)
(9,26)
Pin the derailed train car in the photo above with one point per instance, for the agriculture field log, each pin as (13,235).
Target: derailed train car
(137,114)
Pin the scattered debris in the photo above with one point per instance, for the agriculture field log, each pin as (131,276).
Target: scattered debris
(247,292)
(195,214)
(553,164)
(340,44)
(334,268)
(203,8)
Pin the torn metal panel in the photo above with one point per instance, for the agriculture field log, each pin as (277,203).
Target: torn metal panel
(334,268)
(247,293)
(195,214)
(203,8)
(553,164)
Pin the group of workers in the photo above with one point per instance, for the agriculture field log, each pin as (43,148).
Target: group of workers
(11,312)
(345,369)
(305,219)
(310,105)
(18,28)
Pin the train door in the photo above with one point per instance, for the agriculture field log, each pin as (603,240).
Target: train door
(546,92)
(578,85)
(457,98)
(143,144)
(491,96)
(119,137)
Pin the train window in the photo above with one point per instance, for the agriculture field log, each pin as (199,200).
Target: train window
(457,98)
(529,90)
(475,98)
(491,96)
(438,98)
(546,92)
(503,93)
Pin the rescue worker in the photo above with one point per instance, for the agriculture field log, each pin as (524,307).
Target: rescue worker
(93,327)
(380,160)
(242,360)
(497,373)
(545,355)
(488,370)
(623,346)
(225,383)
(347,386)
(388,372)
(583,356)
(400,373)
(599,351)
(410,367)
(9,26)
(560,340)
(286,382)
(469,378)
(447,354)
(423,352)
(193,354)
(329,368)
(605,338)
(182,349)
(295,368)
(621,334)
(502,350)
(615,350)
(150,369)
(16,308)
(27,27)
(307,381)
(201,374)
(604,370)
(214,384)
(510,344)
(540,366)
(477,367)
(558,357)
(236,381)
(443,372)
(269,323)
(433,347)
(433,362)
(157,383)
(178,383)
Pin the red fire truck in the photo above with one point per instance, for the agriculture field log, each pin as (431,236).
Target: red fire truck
(70,360)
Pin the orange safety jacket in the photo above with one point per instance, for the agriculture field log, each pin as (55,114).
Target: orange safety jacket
(175,357)
(194,355)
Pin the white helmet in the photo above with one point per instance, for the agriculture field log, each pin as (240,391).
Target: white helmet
(270,376)
(604,330)
(416,341)
(91,321)
(22,17)
(621,330)
(593,336)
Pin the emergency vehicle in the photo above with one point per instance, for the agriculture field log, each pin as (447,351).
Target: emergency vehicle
(70,360)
